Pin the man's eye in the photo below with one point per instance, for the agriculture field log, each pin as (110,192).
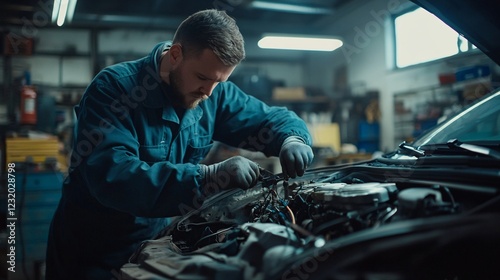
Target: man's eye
(202,78)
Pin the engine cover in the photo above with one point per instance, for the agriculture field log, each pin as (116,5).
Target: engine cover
(347,197)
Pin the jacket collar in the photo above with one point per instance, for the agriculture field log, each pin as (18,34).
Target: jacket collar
(191,116)
(150,76)
(156,97)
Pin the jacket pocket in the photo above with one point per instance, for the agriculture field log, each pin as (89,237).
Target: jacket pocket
(152,154)
(198,149)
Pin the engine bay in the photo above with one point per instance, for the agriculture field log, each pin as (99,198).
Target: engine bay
(262,232)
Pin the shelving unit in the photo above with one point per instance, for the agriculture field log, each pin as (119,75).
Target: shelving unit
(420,109)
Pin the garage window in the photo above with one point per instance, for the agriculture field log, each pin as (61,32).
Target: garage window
(422,37)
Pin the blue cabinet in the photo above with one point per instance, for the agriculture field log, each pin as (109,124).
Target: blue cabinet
(368,137)
(37,197)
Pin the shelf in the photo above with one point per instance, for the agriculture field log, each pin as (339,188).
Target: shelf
(314,99)
(418,110)
(315,104)
(62,54)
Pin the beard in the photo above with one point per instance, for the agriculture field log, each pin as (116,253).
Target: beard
(184,100)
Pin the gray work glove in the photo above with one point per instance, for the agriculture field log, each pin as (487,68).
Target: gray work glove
(295,156)
(235,172)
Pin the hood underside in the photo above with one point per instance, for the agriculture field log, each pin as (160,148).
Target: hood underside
(477,21)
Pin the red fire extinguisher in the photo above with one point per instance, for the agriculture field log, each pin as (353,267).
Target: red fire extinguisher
(28,105)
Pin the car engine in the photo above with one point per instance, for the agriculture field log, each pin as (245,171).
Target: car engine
(272,230)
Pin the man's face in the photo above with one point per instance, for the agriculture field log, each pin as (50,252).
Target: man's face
(195,77)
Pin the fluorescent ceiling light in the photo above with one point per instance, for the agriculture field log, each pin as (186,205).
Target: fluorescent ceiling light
(71,10)
(300,43)
(55,10)
(62,10)
(289,8)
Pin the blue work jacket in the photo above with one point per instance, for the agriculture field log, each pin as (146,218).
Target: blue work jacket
(135,162)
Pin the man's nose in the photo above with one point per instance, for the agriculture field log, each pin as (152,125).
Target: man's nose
(208,88)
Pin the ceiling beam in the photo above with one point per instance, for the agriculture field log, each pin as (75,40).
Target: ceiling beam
(248,27)
(290,8)
(18,8)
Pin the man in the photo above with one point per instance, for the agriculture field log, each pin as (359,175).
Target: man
(143,127)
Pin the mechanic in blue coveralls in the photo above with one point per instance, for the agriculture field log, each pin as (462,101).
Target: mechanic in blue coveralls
(142,129)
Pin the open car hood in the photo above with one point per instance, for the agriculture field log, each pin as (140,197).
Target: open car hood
(478,21)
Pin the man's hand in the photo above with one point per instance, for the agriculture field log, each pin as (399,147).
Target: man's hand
(295,156)
(234,172)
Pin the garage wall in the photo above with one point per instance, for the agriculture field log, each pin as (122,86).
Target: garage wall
(367,57)
(48,66)
(63,55)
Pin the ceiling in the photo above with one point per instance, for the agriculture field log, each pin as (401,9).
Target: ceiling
(477,20)
(253,16)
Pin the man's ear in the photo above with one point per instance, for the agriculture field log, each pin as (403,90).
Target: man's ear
(175,55)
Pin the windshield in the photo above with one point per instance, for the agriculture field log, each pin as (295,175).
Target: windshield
(478,123)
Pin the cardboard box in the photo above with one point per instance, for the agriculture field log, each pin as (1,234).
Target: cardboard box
(474,91)
(289,93)
(325,135)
